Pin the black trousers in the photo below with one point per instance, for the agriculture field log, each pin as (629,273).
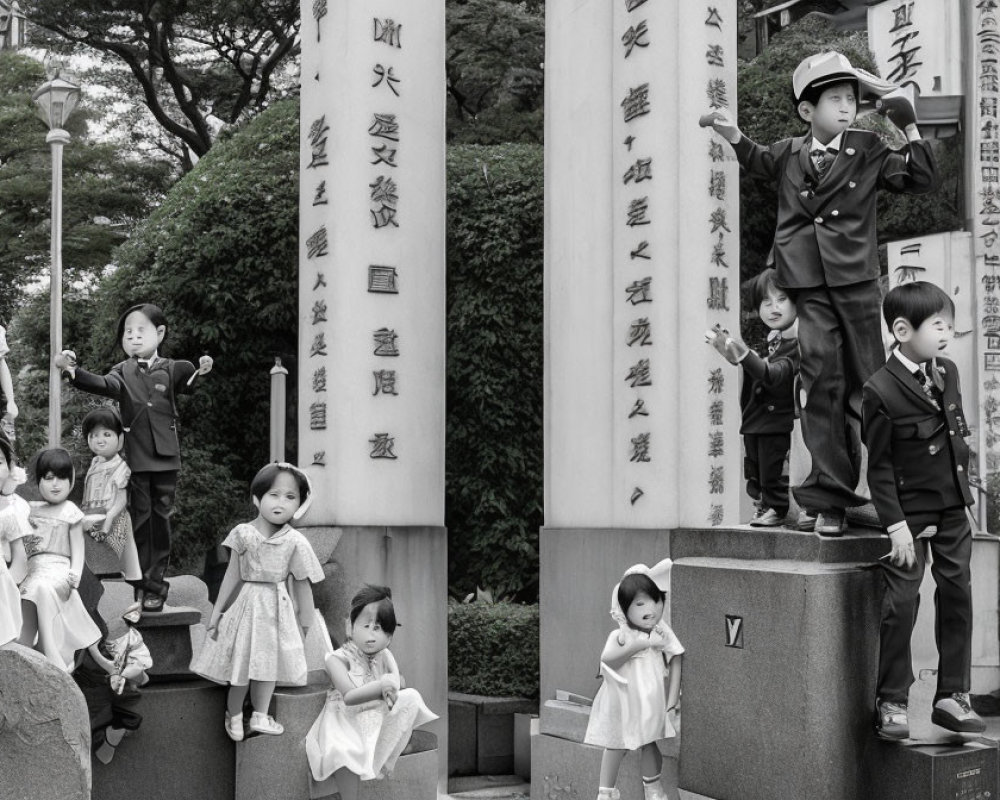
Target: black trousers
(151,504)
(763,468)
(951,547)
(840,343)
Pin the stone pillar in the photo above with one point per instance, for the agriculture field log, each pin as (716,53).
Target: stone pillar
(641,258)
(372,316)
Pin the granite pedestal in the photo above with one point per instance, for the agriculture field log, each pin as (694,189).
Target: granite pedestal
(781,635)
(167,634)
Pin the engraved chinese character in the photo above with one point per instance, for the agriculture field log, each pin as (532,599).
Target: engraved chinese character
(905,58)
(638,409)
(382,444)
(632,5)
(716,444)
(316,244)
(388,32)
(317,416)
(901,16)
(318,347)
(384,126)
(718,220)
(716,91)
(715,515)
(718,294)
(715,412)
(640,448)
(716,480)
(320,281)
(639,331)
(714,56)
(383,216)
(384,191)
(715,151)
(636,102)
(319,11)
(382,279)
(384,155)
(634,37)
(385,382)
(716,381)
(319,199)
(383,74)
(639,291)
(641,170)
(319,458)
(989,151)
(717,184)
(385,342)
(714,18)
(319,380)
(636,492)
(639,374)
(640,251)
(319,312)
(719,253)
(317,142)
(637,212)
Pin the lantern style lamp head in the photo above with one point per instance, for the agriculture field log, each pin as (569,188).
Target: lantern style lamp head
(56,100)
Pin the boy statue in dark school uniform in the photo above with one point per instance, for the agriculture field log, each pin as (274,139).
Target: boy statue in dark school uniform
(918,472)
(826,254)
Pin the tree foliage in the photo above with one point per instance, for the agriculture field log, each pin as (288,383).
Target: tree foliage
(188,63)
(104,193)
(495,50)
(494,393)
(767,114)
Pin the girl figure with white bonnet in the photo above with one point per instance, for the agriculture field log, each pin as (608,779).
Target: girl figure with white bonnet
(14,511)
(641,667)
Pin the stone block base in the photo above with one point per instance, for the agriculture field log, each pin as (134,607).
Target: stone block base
(180,751)
(167,634)
(491,729)
(933,772)
(414,777)
(571,771)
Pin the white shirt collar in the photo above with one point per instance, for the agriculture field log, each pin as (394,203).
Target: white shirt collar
(149,360)
(834,143)
(911,366)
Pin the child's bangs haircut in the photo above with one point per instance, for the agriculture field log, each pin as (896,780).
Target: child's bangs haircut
(814,91)
(916,302)
(634,584)
(153,313)
(385,613)
(55,460)
(762,285)
(265,477)
(103,417)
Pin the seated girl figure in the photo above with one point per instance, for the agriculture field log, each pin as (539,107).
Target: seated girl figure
(13,527)
(55,620)
(368,718)
(641,667)
(256,635)
(105,495)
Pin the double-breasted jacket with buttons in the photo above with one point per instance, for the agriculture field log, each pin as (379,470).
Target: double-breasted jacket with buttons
(767,399)
(918,460)
(149,414)
(825,231)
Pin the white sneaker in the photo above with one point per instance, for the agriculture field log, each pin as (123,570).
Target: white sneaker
(262,723)
(234,727)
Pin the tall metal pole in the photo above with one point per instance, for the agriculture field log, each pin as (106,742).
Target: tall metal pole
(57,137)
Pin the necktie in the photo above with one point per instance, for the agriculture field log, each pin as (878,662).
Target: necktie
(773,342)
(822,158)
(925,384)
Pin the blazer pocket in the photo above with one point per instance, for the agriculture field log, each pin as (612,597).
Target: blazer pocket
(929,428)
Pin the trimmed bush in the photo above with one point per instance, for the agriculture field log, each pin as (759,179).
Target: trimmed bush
(493,649)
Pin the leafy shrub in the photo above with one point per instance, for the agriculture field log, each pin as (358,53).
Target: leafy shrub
(494,393)
(493,649)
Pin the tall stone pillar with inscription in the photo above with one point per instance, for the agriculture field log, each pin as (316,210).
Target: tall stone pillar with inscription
(642,446)
(371,317)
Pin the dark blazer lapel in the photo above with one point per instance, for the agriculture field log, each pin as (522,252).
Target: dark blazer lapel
(907,380)
(802,174)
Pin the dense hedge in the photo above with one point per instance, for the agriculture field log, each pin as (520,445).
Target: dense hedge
(493,649)
(494,395)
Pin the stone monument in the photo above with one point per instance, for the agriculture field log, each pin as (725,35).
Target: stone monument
(371,318)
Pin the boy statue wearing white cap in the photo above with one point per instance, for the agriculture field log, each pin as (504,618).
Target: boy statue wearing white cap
(826,254)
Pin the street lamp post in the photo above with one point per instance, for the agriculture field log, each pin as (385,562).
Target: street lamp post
(56,100)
